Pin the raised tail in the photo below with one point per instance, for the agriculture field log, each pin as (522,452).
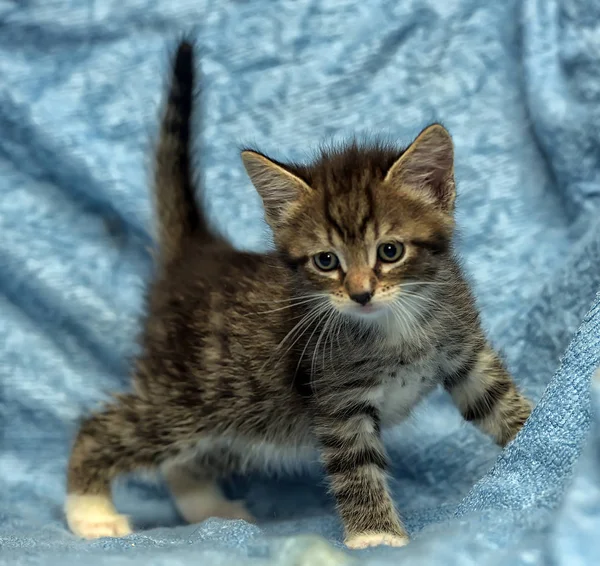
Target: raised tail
(180,218)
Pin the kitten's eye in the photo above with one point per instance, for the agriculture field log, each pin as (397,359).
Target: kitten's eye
(326,261)
(390,251)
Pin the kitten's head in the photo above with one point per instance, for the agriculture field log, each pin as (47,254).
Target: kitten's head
(363,223)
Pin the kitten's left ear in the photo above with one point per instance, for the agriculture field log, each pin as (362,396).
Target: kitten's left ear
(428,165)
(279,188)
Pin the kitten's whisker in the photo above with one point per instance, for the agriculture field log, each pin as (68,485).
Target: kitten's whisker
(430,300)
(291,299)
(300,335)
(437,283)
(309,318)
(296,304)
(342,324)
(316,350)
(396,316)
(337,326)
(414,310)
(405,321)
(315,310)
(305,322)
(402,318)
(302,355)
(326,334)
(304,330)
(313,363)
(330,320)
(308,342)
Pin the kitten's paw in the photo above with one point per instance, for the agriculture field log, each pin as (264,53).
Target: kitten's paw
(94,516)
(366,540)
(199,499)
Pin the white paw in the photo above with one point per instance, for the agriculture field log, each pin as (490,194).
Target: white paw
(375,539)
(198,499)
(94,516)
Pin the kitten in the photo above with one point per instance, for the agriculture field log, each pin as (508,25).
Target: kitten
(251,360)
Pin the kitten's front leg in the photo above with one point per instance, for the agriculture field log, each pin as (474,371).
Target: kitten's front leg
(356,464)
(486,394)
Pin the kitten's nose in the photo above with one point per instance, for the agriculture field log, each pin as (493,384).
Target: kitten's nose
(362,298)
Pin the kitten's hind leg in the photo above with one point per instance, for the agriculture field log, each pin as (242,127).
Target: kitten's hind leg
(128,435)
(198,496)
(95,516)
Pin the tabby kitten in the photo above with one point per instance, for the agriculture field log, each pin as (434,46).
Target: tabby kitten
(252,360)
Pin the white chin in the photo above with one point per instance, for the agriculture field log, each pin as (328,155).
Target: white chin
(368,312)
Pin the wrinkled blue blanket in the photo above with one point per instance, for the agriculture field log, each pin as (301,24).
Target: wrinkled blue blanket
(518,85)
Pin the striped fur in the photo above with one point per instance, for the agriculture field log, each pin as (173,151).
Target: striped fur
(486,395)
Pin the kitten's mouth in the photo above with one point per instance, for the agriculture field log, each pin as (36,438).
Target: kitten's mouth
(367,310)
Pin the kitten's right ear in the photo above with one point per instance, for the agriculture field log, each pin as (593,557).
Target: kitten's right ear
(279,188)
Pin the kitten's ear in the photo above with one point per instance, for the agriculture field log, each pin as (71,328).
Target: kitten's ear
(279,188)
(428,165)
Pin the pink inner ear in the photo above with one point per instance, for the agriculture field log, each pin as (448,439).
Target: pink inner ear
(428,164)
(278,187)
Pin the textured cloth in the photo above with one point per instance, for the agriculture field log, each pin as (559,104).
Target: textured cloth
(517,83)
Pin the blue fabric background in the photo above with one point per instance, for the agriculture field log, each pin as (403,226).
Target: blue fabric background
(518,85)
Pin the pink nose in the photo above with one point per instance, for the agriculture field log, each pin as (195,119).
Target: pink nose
(360,285)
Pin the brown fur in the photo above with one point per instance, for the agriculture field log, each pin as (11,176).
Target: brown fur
(249,357)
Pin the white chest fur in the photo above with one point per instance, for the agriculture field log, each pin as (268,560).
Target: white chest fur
(402,389)
(403,386)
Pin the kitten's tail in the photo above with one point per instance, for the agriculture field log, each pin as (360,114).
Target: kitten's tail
(179,216)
